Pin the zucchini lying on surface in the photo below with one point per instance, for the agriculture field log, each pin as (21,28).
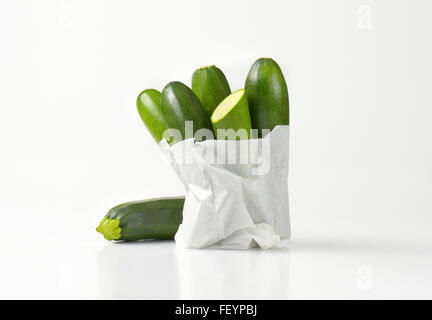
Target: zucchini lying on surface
(145,219)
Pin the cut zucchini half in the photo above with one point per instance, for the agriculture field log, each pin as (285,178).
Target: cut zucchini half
(232,114)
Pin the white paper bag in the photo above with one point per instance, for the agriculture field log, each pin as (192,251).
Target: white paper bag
(236,191)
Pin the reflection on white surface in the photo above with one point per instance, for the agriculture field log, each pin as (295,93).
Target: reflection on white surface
(314,267)
(141,270)
(217,274)
(156,270)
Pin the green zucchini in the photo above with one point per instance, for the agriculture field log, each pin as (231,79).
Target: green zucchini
(211,87)
(232,113)
(267,95)
(180,104)
(149,108)
(146,219)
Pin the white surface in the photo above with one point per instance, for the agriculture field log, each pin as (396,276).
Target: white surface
(319,265)
(72,144)
(236,191)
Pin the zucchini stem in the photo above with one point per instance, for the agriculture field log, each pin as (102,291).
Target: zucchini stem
(110,228)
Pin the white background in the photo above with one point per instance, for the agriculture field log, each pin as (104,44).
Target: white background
(72,145)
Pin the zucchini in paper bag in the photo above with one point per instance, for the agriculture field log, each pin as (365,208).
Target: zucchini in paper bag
(267,95)
(211,87)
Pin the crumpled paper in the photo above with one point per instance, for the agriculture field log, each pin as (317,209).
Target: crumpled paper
(236,191)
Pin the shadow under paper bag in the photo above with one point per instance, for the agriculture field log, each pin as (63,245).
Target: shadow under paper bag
(236,191)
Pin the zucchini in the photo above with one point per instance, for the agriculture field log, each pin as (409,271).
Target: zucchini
(180,104)
(211,87)
(149,109)
(146,219)
(267,95)
(232,113)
